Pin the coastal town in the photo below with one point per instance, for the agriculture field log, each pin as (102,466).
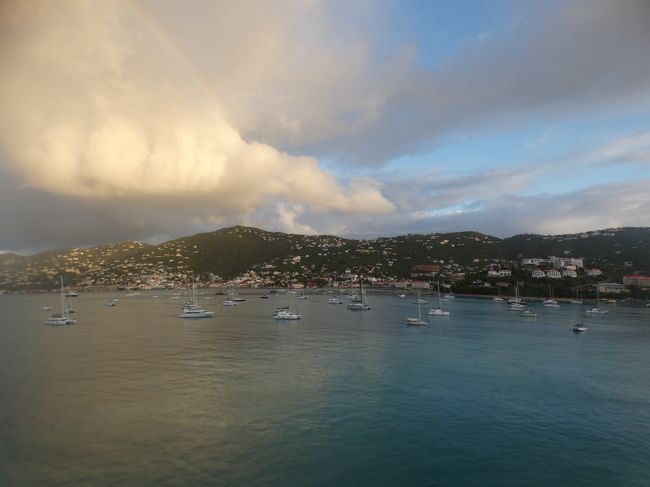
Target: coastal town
(468,262)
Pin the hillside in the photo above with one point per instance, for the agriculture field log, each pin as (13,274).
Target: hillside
(231,252)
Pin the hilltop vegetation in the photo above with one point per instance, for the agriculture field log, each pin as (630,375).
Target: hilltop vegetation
(231,252)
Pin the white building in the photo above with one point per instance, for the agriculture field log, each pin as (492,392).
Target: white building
(538,273)
(594,272)
(553,274)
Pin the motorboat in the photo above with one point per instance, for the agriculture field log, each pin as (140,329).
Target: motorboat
(528,314)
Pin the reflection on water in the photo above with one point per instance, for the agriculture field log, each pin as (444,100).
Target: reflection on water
(132,395)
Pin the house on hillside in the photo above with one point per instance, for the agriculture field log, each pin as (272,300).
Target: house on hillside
(637,280)
(538,273)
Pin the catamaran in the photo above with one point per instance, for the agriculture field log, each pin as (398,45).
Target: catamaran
(283,312)
(62,318)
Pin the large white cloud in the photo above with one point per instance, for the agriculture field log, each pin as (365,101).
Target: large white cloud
(98,105)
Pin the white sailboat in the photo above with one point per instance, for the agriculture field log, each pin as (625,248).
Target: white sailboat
(420,300)
(498,297)
(438,311)
(417,321)
(577,300)
(515,304)
(193,310)
(62,318)
(551,302)
(361,304)
(597,310)
(284,313)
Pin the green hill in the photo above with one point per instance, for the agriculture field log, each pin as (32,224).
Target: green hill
(231,252)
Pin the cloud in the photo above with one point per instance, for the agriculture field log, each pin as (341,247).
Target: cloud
(555,61)
(95,108)
(150,120)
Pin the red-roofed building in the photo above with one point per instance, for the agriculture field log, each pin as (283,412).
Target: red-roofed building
(636,280)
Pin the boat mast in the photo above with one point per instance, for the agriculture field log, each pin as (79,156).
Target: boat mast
(63,313)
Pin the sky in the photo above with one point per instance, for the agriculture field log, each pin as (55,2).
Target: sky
(154,119)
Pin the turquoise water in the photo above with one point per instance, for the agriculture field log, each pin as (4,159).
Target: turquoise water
(132,395)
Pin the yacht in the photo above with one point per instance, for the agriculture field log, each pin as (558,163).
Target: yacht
(62,318)
(193,310)
(438,311)
(515,304)
(302,295)
(232,295)
(71,294)
(334,301)
(229,302)
(419,300)
(577,300)
(579,327)
(283,314)
(498,297)
(417,321)
(597,310)
(358,302)
(550,302)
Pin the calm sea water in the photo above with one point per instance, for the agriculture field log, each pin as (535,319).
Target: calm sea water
(132,395)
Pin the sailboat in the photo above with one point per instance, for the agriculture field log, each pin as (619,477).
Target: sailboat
(232,295)
(448,295)
(438,311)
(528,314)
(62,318)
(302,294)
(361,304)
(417,321)
(597,309)
(283,313)
(515,304)
(498,297)
(419,300)
(579,327)
(577,300)
(193,310)
(551,302)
